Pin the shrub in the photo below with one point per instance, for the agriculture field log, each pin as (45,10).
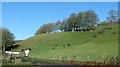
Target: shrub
(26,59)
(101,32)
(108,28)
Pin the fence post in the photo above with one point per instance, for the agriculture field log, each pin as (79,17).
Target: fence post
(68,58)
(88,58)
(60,58)
(103,57)
(54,57)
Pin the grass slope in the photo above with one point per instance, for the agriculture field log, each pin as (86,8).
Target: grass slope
(83,45)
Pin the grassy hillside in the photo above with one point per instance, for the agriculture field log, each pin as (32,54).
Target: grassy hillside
(85,46)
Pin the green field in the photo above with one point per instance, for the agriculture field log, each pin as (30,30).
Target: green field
(84,47)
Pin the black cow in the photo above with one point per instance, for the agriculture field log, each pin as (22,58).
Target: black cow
(63,46)
(68,44)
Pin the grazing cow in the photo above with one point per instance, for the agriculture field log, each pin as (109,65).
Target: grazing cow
(68,44)
(27,50)
(63,46)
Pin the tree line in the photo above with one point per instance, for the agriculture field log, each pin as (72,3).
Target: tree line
(83,21)
(76,22)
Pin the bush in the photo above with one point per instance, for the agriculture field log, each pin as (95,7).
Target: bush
(7,62)
(101,32)
(26,59)
(108,28)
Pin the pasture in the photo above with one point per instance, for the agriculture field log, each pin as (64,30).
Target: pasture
(97,45)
